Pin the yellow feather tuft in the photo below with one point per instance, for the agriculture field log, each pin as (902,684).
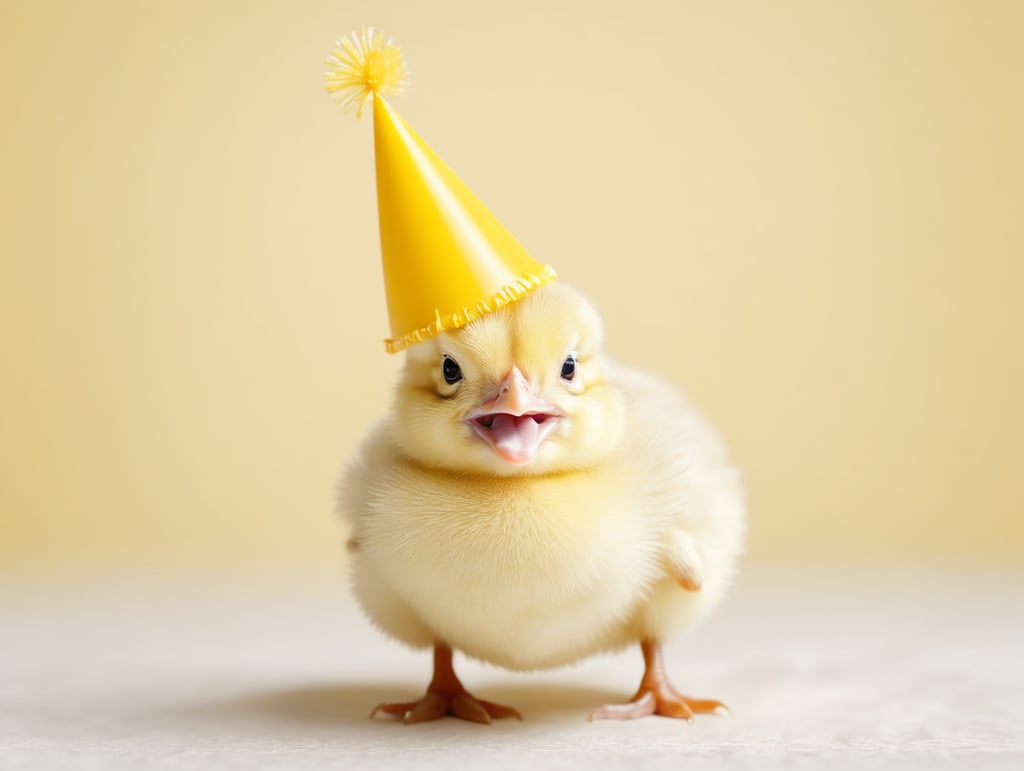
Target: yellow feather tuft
(362,65)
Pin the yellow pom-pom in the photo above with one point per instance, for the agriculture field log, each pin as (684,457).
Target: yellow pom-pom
(363,65)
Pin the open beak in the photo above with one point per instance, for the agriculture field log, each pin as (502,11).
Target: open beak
(515,422)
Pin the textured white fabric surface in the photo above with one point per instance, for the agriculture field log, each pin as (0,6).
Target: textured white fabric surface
(862,671)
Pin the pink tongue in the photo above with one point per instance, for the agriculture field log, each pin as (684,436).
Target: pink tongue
(515,439)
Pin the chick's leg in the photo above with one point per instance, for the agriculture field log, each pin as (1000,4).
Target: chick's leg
(656,695)
(445,696)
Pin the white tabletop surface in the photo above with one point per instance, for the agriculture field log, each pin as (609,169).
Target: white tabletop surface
(863,669)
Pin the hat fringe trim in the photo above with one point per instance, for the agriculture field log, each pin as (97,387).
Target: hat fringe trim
(509,293)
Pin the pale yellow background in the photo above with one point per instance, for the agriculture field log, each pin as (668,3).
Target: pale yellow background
(808,214)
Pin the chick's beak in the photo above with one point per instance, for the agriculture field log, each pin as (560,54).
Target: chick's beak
(515,422)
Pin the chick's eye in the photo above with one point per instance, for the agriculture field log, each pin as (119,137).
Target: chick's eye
(569,368)
(451,370)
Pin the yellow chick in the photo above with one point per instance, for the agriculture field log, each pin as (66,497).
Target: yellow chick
(531,502)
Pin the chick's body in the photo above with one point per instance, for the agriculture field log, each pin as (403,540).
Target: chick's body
(622,524)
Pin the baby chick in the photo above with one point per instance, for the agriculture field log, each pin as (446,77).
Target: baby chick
(530,503)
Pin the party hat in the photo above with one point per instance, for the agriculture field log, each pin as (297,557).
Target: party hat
(447,259)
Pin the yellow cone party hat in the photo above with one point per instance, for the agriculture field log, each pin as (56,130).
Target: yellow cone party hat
(447,260)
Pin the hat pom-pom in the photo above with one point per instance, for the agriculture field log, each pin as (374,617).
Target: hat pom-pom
(363,65)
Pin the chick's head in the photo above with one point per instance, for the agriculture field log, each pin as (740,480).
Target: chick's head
(518,391)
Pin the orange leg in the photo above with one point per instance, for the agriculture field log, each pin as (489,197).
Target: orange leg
(656,695)
(445,696)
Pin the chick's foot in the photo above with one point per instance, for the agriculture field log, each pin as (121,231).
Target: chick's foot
(656,695)
(435,704)
(446,696)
